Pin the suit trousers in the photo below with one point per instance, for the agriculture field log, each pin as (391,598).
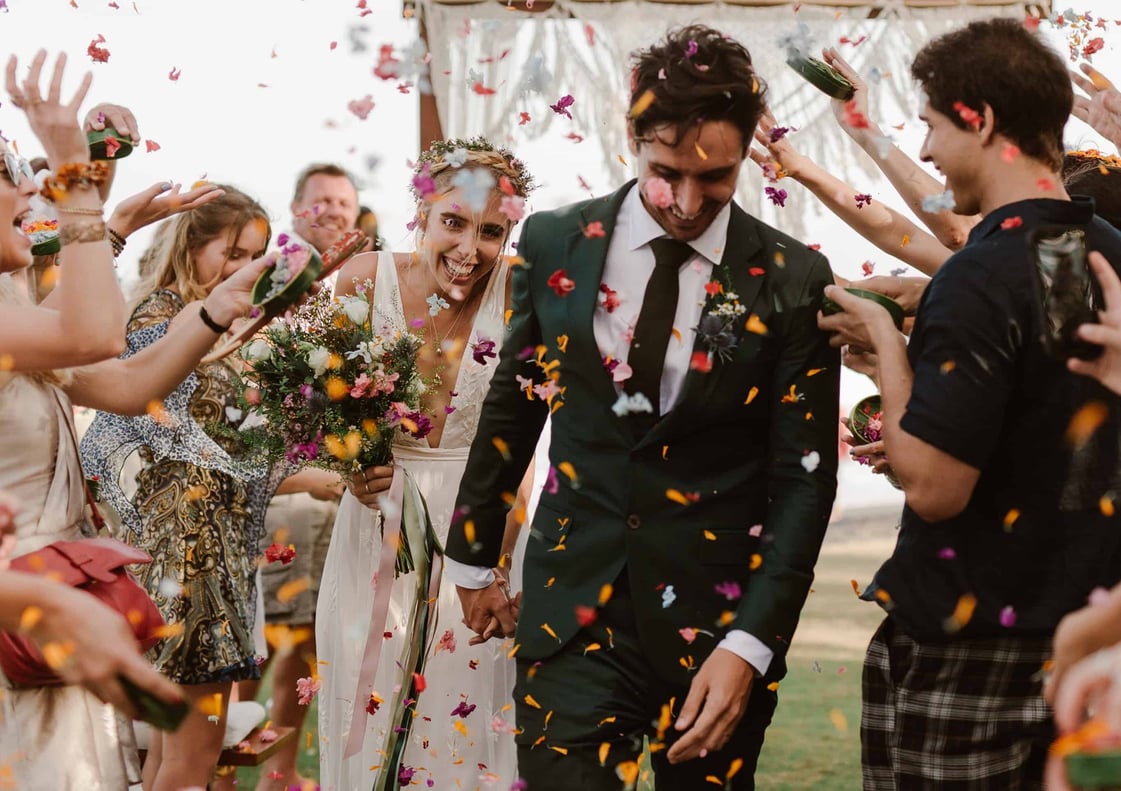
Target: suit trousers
(599,693)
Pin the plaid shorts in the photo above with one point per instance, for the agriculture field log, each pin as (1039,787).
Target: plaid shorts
(967,714)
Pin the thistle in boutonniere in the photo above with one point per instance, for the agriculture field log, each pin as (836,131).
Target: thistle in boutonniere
(722,308)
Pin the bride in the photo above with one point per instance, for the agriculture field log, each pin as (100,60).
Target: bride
(455,289)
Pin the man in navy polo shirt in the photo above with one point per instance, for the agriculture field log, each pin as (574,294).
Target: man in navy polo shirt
(1009,462)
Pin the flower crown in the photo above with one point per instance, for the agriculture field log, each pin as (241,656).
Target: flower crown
(1093,155)
(442,154)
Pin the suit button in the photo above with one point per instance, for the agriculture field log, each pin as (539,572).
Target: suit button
(633,521)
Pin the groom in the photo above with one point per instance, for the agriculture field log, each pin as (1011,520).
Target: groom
(673,339)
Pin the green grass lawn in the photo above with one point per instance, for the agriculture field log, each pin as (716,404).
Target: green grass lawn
(814,742)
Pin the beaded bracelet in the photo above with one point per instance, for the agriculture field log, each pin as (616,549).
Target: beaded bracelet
(117,241)
(83,232)
(80,210)
(74,175)
(211,323)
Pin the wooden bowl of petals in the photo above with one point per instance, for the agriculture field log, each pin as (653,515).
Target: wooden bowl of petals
(829,307)
(866,420)
(282,284)
(108,143)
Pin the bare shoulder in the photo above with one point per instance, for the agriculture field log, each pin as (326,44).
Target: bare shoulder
(358,269)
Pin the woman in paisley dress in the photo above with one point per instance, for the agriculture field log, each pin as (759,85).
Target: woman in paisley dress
(67,737)
(455,288)
(199,502)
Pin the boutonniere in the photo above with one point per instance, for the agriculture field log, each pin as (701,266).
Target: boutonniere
(722,308)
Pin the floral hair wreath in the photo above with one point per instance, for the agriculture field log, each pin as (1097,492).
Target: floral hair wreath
(442,153)
(1093,155)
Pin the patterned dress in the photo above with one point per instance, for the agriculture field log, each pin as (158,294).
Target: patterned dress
(198,509)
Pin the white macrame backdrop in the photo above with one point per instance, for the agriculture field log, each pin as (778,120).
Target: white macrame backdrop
(582,48)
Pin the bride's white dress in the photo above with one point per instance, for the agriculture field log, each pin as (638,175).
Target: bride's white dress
(448,746)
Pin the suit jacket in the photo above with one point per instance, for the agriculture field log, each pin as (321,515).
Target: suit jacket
(751,442)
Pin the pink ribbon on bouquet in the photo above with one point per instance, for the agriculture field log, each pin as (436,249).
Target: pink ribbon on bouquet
(379,614)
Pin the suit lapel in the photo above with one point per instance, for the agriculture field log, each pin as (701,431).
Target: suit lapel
(585,258)
(742,252)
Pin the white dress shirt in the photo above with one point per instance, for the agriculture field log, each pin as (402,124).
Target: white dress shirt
(628,267)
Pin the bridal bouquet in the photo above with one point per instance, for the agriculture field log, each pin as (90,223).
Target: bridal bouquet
(331,389)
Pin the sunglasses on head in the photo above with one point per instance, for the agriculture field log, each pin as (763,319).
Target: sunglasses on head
(17,167)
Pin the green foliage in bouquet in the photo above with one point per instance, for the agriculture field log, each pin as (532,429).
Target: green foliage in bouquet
(332,388)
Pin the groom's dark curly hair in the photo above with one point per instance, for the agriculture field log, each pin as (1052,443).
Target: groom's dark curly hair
(695,74)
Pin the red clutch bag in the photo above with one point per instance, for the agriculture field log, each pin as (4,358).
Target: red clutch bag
(97,566)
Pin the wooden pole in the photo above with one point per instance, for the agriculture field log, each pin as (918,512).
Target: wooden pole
(430,128)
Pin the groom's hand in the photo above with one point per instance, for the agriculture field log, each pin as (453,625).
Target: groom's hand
(716,701)
(488,611)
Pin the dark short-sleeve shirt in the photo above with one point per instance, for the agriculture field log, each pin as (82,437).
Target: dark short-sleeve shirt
(1039,532)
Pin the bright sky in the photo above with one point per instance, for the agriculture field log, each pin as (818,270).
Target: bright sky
(263,89)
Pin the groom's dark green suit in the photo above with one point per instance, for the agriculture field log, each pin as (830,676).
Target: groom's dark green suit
(750,443)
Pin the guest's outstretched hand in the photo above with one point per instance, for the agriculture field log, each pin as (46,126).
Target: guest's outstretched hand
(1101,107)
(859,322)
(116,116)
(1107,368)
(54,122)
(776,153)
(159,202)
(846,111)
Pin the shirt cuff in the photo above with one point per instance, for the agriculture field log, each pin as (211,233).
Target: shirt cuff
(464,576)
(749,649)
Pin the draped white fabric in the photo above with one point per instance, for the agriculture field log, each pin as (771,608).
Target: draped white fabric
(530,60)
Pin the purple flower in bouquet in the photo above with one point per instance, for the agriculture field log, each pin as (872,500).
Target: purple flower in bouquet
(482,349)
(423,424)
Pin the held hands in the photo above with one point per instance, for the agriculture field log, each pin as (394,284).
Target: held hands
(1106,368)
(1102,110)
(157,203)
(54,123)
(490,612)
(714,706)
(370,484)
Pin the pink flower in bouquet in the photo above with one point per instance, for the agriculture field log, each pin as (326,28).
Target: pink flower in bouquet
(361,386)
(659,192)
(306,689)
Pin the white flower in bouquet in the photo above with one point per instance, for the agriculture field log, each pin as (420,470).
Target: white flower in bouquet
(257,351)
(369,351)
(356,309)
(319,358)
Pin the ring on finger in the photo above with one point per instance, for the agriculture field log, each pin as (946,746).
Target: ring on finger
(367,485)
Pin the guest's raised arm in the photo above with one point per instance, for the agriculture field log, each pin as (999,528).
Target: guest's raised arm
(1101,107)
(911,182)
(884,227)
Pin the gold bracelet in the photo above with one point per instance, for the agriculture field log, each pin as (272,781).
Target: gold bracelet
(83,232)
(80,210)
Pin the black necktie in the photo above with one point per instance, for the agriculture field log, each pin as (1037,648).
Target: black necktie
(655,322)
